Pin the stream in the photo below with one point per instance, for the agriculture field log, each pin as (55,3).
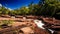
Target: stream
(40,24)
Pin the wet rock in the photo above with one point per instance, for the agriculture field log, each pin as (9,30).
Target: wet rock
(53,24)
(40,31)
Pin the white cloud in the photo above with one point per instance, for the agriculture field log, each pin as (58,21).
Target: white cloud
(27,7)
(0,5)
(10,9)
(6,7)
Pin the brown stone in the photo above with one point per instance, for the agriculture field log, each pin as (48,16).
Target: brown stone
(40,31)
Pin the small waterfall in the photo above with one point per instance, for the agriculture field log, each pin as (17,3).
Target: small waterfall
(39,23)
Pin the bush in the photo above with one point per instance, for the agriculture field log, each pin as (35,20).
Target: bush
(6,23)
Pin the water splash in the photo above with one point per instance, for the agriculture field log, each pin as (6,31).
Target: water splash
(39,23)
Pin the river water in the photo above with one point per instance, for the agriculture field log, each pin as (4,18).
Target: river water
(40,24)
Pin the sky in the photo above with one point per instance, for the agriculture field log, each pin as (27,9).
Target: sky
(14,4)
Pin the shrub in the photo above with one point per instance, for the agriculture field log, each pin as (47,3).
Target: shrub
(6,22)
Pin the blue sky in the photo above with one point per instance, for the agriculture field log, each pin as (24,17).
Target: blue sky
(14,4)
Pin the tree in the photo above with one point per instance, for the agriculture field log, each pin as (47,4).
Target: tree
(50,7)
(24,10)
(31,8)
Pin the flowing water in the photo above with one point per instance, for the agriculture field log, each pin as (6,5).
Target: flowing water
(40,24)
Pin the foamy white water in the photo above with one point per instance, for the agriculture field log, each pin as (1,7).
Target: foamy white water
(51,31)
(39,23)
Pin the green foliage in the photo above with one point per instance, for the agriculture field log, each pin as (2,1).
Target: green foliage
(4,10)
(24,10)
(58,13)
(48,8)
(7,22)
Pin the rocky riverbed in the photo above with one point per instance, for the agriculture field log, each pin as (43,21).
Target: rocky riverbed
(31,26)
